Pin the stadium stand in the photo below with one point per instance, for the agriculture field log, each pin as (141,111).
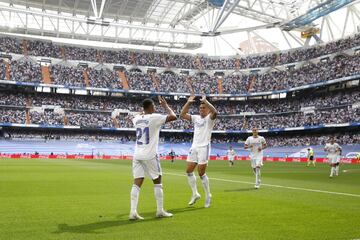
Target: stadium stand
(49,49)
(300,111)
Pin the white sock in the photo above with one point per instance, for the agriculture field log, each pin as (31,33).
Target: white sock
(192,183)
(332,171)
(257,175)
(134,197)
(206,185)
(159,196)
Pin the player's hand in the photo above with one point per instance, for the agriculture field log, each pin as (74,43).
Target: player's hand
(162,101)
(259,149)
(191,99)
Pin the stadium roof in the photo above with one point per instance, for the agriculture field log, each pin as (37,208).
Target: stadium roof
(185,24)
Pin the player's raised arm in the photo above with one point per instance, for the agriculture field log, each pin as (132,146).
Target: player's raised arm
(326,148)
(171,115)
(213,112)
(263,144)
(339,149)
(246,144)
(185,110)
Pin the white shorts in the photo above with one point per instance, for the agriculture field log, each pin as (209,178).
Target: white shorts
(333,159)
(256,162)
(231,159)
(199,155)
(150,167)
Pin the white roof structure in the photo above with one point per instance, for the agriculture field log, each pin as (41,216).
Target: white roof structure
(210,26)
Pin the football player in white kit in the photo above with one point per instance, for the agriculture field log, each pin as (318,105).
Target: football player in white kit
(231,156)
(256,144)
(200,149)
(145,159)
(333,150)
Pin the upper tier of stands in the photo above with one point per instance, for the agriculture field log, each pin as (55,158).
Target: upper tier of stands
(28,70)
(170,60)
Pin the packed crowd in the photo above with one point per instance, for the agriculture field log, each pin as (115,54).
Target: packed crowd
(156,59)
(21,71)
(103,78)
(340,66)
(2,69)
(104,119)
(170,82)
(68,76)
(91,120)
(140,81)
(319,117)
(96,111)
(275,121)
(304,140)
(86,136)
(48,117)
(272,141)
(274,106)
(277,141)
(25,71)
(12,115)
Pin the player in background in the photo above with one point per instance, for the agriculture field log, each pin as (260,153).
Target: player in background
(310,157)
(200,149)
(172,155)
(256,144)
(146,160)
(333,150)
(231,156)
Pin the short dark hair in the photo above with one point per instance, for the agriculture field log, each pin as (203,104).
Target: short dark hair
(147,103)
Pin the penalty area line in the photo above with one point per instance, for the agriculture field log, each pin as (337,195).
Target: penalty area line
(275,186)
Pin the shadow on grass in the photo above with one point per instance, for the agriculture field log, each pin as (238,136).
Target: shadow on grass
(241,190)
(93,227)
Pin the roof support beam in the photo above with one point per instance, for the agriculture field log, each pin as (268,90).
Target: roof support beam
(93,5)
(65,26)
(101,8)
(315,13)
(98,13)
(113,24)
(227,8)
(235,30)
(258,15)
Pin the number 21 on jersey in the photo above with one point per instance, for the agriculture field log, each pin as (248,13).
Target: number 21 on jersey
(140,132)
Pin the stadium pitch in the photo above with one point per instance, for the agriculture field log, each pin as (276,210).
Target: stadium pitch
(89,199)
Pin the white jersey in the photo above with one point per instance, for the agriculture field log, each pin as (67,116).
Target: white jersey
(254,144)
(231,154)
(202,130)
(147,135)
(332,149)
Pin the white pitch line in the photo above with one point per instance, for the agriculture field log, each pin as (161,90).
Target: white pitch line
(277,186)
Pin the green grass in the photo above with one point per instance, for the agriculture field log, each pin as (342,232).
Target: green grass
(89,199)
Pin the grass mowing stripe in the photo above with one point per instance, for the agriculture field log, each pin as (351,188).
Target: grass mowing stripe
(276,186)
